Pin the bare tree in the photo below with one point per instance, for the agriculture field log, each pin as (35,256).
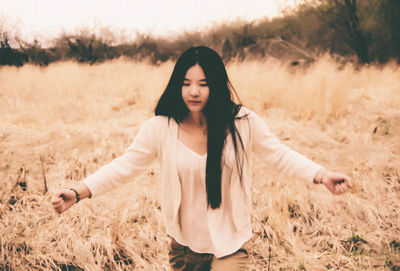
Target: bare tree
(342,16)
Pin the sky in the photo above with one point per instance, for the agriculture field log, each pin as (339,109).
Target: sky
(47,19)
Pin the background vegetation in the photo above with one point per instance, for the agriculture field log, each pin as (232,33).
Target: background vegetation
(359,31)
(66,120)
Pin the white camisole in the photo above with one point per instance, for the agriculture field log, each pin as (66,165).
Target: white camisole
(191,168)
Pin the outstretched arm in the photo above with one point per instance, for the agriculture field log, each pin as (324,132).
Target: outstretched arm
(279,156)
(291,163)
(337,183)
(136,158)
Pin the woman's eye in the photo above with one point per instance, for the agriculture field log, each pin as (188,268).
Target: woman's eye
(203,85)
(185,84)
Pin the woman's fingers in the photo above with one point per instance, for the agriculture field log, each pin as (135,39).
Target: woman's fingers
(56,201)
(342,187)
(57,197)
(340,182)
(58,204)
(60,208)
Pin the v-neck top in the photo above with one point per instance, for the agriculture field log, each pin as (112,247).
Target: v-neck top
(191,168)
(194,216)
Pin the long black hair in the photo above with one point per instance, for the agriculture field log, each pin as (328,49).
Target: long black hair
(220,112)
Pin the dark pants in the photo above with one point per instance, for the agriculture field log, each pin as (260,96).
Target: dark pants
(183,258)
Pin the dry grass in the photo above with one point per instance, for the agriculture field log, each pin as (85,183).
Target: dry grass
(79,117)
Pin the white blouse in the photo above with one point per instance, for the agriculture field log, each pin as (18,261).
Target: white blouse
(193,212)
(230,225)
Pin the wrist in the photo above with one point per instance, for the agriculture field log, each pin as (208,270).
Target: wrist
(319,176)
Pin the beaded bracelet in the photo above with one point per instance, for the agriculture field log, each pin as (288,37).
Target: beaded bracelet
(77,195)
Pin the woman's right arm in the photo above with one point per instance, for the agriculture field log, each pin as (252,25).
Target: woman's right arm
(136,158)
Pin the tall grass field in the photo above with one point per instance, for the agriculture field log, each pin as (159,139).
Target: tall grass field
(61,123)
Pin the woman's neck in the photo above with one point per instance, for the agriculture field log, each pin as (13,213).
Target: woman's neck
(197,119)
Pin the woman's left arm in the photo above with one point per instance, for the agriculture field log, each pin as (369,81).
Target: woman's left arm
(290,162)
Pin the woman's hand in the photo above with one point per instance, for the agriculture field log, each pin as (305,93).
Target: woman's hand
(63,200)
(337,183)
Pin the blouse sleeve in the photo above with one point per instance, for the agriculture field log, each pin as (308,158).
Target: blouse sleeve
(278,156)
(139,155)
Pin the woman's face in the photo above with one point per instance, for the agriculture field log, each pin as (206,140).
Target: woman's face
(195,90)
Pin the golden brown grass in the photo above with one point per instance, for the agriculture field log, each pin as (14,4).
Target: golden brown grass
(79,117)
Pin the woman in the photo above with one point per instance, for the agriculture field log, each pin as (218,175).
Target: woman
(204,142)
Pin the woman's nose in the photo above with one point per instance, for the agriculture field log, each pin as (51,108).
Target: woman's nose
(194,91)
